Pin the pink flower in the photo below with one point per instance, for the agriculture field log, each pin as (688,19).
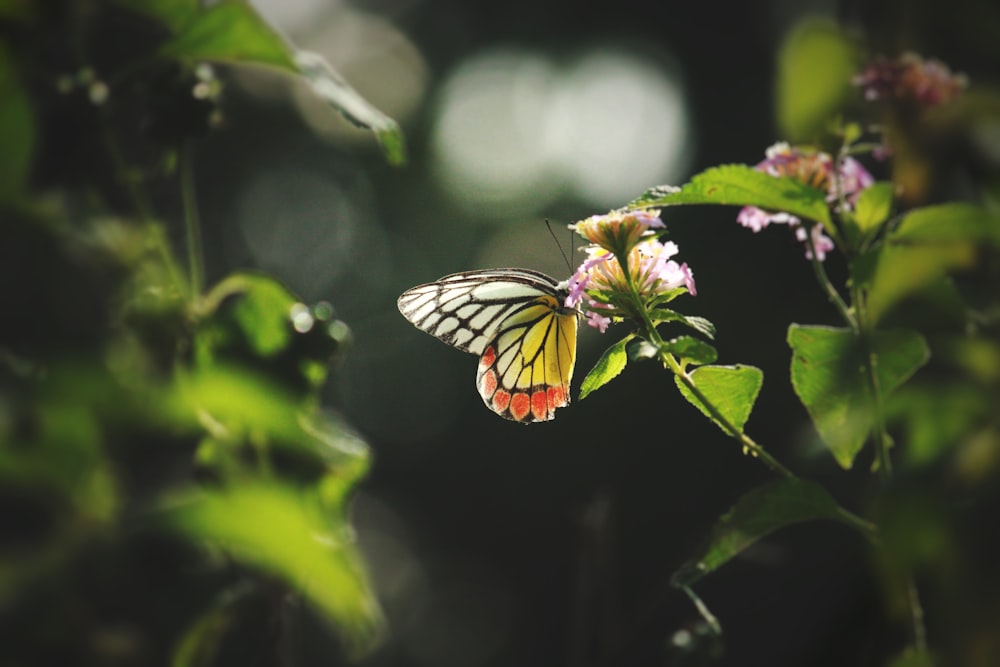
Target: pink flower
(816,169)
(618,231)
(601,281)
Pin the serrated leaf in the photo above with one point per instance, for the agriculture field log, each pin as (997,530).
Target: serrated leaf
(742,185)
(691,350)
(731,390)
(830,378)
(873,207)
(607,368)
(699,324)
(283,532)
(754,516)
(230,32)
(327,83)
(815,66)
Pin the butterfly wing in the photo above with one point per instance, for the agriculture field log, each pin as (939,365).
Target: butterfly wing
(516,321)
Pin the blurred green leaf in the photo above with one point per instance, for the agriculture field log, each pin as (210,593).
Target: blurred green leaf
(332,88)
(607,368)
(235,404)
(17,128)
(199,644)
(815,66)
(829,377)
(742,185)
(928,244)
(176,14)
(948,222)
(282,531)
(912,657)
(937,417)
(691,349)
(252,320)
(754,516)
(872,208)
(230,32)
(233,32)
(259,308)
(16,9)
(732,390)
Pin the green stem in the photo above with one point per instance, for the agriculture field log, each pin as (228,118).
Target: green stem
(653,336)
(707,615)
(140,203)
(881,434)
(192,224)
(824,282)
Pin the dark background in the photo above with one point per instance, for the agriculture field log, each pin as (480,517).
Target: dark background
(495,544)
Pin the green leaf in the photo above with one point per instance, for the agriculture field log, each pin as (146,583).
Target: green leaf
(327,83)
(928,244)
(872,208)
(607,368)
(233,32)
(17,128)
(815,66)
(253,307)
(199,644)
(230,32)
(830,378)
(732,391)
(939,417)
(912,657)
(755,515)
(691,349)
(943,223)
(282,531)
(742,185)
(699,324)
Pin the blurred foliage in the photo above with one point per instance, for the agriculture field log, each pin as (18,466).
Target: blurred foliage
(167,469)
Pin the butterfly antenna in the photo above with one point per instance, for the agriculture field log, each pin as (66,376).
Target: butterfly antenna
(548,226)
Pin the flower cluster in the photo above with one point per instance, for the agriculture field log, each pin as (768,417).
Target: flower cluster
(614,289)
(910,78)
(814,168)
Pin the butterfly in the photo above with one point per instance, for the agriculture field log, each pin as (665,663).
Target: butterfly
(516,321)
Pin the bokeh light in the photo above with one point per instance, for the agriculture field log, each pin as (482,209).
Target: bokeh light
(515,130)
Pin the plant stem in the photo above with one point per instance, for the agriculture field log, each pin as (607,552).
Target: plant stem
(824,282)
(653,336)
(192,225)
(143,209)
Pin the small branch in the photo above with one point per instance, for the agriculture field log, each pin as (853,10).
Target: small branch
(824,282)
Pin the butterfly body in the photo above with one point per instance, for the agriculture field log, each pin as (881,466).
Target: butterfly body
(516,321)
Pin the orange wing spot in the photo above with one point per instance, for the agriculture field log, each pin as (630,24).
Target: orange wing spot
(557,397)
(501,400)
(488,384)
(520,406)
(489,356)
(540,404)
